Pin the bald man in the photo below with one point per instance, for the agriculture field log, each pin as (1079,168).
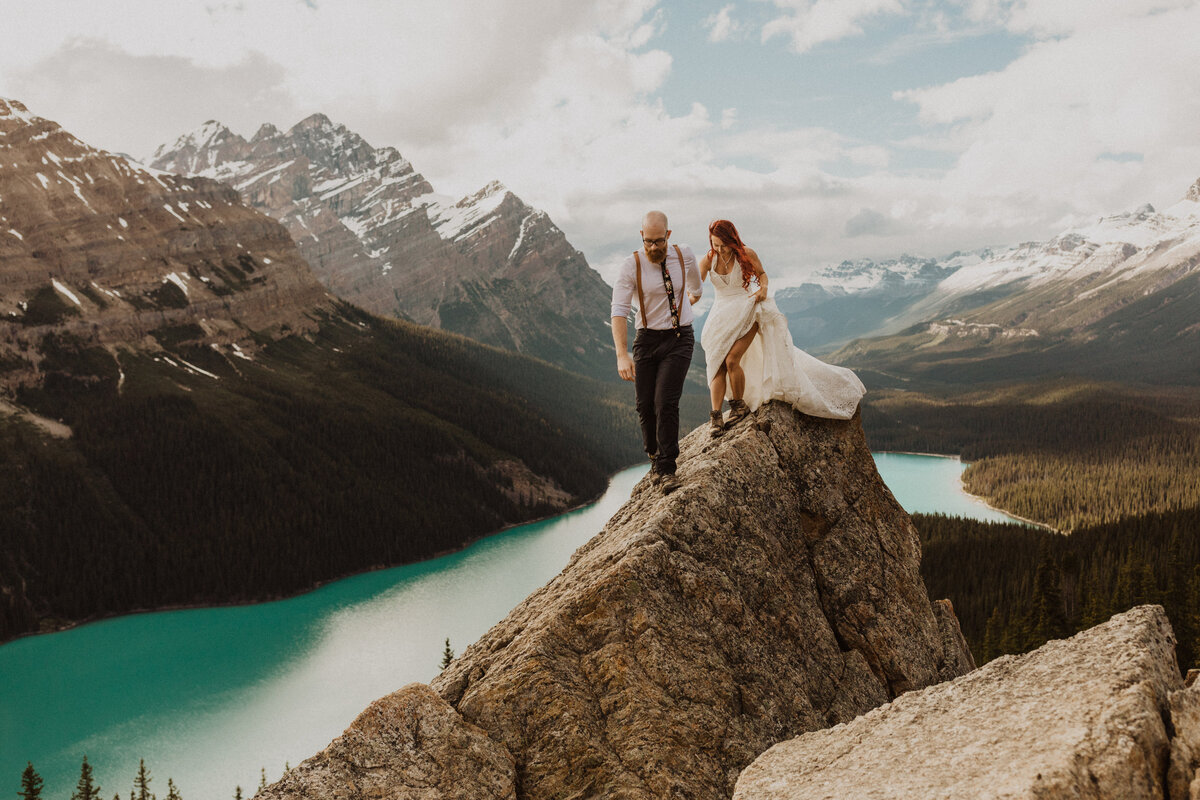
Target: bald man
(660,281)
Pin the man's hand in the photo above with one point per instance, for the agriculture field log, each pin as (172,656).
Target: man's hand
(625,366)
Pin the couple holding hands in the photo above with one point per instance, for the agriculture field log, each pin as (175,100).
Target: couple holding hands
(747,346)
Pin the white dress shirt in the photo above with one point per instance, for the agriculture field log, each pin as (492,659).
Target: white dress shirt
(685,279)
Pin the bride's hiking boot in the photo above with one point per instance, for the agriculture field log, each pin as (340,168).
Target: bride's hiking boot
(738,410)
(716,424)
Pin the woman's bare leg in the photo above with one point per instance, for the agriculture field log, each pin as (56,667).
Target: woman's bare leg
(733,363)
(717,389)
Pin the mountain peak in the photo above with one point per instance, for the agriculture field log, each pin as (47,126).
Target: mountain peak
(265,131)
(1193,192)
(318,121)
(15,109)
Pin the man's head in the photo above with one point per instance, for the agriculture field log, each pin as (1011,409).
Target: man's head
(655,235)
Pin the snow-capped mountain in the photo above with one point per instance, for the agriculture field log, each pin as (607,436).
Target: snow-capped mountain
(106,253)
(1122,292)
(487,265)
(863,297)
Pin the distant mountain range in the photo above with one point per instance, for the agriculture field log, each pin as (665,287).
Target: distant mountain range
(1117,299)
(187,415)
(487,266)
(862,297)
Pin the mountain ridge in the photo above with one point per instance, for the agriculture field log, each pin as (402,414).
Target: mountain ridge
(487,265)
(227,424)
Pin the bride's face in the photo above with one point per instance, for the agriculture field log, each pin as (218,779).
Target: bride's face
(720,248)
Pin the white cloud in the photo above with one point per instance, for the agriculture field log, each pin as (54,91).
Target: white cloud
(1035,136)
(1049,18)
(562,102)
(721,25)
(406,70)
(808,23)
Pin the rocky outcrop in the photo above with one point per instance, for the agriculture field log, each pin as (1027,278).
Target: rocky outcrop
(410,745)
(100,249)
(487,266)
(776,592)
(1101,715)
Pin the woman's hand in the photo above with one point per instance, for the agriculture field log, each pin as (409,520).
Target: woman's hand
(693,299)
(760,295)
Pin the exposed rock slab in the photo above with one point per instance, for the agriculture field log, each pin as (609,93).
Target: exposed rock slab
(1183,780)
(776,592)
(410,745)
(1085,717)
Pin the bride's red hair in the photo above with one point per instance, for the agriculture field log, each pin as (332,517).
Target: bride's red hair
(724,230)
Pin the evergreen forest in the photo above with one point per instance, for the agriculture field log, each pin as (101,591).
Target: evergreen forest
(1016,587)
(369,443)
(1065,454)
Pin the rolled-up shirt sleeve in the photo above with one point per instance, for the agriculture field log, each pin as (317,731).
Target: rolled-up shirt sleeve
(691,274)
(623,290)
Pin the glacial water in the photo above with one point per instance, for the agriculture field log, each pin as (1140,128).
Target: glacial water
(209,697)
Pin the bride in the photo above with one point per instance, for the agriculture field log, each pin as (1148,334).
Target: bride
(749,350)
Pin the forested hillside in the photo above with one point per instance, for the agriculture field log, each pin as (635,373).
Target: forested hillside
(1065,454)
(1015,587)
(193,477)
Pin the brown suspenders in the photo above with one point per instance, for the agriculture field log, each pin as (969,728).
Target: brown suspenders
(637,270)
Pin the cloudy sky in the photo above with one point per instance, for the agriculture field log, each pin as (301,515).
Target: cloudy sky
(827,129)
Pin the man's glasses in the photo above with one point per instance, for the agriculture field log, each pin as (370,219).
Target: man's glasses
(654,242)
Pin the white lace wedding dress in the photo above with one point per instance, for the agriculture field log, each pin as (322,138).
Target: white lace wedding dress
(775,368)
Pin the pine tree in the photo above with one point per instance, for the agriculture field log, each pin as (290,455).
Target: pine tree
(86,789)
(31,783)
(172,791)
(993,633)
(1050,621)
(237,795)
(447,654)
(141,784)
(262,782)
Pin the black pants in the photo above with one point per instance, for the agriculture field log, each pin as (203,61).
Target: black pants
(661,360)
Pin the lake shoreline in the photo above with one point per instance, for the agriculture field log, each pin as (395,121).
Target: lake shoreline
(978,498)
(72,624)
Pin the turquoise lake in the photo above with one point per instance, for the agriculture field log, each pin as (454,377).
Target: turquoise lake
(209,697)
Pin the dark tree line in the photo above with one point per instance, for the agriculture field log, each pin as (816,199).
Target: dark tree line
(1015,587)
(1065,455)
(87,788)
(367,443)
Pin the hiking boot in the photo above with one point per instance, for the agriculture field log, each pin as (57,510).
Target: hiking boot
(738,410)
(667,482)
(716,424)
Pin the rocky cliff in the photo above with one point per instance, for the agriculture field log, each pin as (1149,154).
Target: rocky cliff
(1101,715)
(776,592)
(102,250)
(487,265)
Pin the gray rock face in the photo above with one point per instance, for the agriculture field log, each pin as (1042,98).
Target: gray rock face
(409,745)
(776,592)
(487,266)
(1100,715)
